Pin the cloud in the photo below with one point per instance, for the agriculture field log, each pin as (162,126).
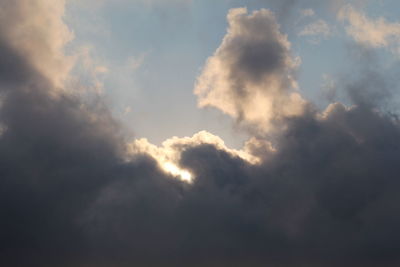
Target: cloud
(168,155)
(318,28)
(88,72)
(74,192)
(287,11)
(377,33)
(251,75)
(308,12)
(35,28)
(315,200)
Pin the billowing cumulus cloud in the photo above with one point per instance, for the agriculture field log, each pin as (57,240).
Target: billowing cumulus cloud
(251,75)
(74,192)
(168,155)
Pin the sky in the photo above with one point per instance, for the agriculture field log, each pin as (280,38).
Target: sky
(136,41)
(199,133)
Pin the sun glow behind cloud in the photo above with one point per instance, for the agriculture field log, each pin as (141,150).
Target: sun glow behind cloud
(77,189)
(168,155)
(171,168)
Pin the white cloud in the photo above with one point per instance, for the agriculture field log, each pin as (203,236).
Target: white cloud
(316,31)
(168,154)
(250,76)
(319,27)
(371,32)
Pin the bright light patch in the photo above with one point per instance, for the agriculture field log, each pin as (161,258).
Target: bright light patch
(176,171)
(168,155)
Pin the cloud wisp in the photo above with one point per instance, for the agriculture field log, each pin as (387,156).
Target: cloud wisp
(318,29)
(75,192)
(376,33)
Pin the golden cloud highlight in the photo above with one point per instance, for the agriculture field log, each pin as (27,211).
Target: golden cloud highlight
(168,155)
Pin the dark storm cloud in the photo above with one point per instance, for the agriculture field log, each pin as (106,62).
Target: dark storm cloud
(69,197)
(57,153)
(9,64)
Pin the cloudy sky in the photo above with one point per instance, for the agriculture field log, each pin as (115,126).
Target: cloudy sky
(199,133)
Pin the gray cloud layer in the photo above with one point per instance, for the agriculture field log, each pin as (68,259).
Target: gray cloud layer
(326,196)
